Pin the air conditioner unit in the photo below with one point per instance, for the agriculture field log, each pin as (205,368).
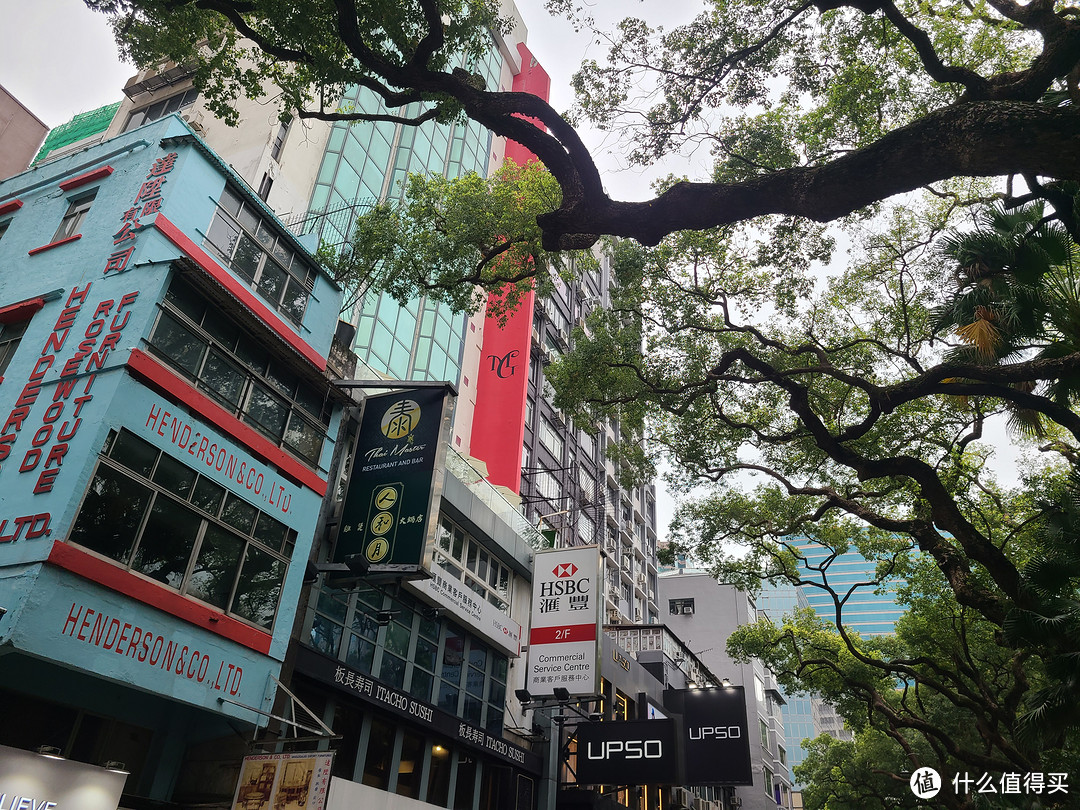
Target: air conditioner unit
(614,617)
(641,580)
(195,121)
(688,610)
(681,797)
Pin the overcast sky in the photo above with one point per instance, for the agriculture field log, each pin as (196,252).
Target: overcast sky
(58,58)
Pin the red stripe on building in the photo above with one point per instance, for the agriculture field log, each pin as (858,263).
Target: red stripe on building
(178,389)
(51,245)
(13,313)
(502,383)
(88,566)
(88,177)
(558,635)
(239,291)
(9,206)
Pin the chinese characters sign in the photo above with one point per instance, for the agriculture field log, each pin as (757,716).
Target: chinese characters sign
(471,608)
(396,482)
(406,707)
(565,622)
(146,203)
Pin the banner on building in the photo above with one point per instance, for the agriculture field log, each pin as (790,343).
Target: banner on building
(283,782)
(627,752)
(715,738)
(29,780)
(391,511)
(564,634)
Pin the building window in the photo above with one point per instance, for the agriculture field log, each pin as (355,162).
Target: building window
(782,754)
(74,216)
(233,368)
(768,781)
(265,186)
(764,727)
(550,438)
(461,556)
(10,336)
(242,236)
(435,661)
(683,607)
(279,140)
(160,518)
(160,109)
(3,227)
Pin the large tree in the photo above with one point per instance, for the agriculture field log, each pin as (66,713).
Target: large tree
(814,109)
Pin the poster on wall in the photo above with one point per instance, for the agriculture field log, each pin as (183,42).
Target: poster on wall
(284,782)
(564,634)
(391,508)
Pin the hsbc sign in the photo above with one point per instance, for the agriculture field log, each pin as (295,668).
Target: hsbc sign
(565,622)
(564,582)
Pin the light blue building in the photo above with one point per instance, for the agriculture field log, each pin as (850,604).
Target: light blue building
(870,609)
(776,601)
(166,429)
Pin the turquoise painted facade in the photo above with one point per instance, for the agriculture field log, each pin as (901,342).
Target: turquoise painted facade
(166,429)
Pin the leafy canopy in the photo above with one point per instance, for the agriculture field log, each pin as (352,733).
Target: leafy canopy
(813,109)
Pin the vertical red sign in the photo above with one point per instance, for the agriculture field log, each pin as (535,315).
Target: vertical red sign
(503,379)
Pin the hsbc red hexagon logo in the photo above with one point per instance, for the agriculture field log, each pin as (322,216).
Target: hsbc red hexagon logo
(564,570)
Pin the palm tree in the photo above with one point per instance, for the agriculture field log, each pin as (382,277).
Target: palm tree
(1017,297)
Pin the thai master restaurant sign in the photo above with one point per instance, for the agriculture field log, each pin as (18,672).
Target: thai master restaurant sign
(564,638)
(391,510)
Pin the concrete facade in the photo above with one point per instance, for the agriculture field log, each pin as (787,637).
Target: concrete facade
(704,613)
(21,133)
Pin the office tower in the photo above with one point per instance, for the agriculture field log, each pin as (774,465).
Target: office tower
(871,610)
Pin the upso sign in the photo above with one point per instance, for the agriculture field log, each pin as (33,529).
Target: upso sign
(715,738)
(565,622)
(634,752)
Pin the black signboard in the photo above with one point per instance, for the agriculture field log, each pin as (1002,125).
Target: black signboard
(398,702)
(391,504)
(627,752)
(714,735)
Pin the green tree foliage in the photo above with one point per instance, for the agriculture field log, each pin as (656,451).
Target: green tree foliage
(454,239)
(813,109)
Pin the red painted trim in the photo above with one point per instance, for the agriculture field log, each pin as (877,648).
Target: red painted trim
(574,632)
(89,177)
(240,291)
(178,389)
(110,575)
(13,313)
(9,206)
(51,245)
